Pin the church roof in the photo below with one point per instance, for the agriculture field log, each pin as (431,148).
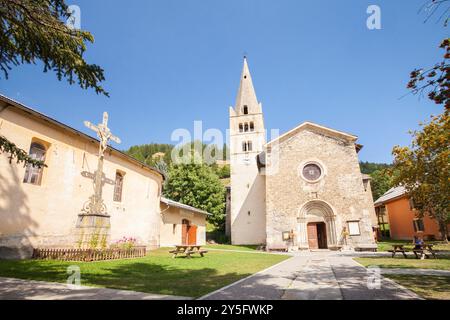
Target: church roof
(389,195)
(246,95)
(182,206)
(63,126)
(315,127)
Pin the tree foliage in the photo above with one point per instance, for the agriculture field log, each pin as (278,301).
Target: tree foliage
(437,8)
(32,30)
(145,152)
(370,167)
(434,81)
(424,170)
(381,179)
(197,185)
(381,182)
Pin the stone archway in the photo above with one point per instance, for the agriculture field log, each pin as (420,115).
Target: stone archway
(316,211)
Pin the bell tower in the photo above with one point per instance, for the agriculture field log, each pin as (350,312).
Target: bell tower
(247,138)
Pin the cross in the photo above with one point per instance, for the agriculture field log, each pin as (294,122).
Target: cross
(95,204)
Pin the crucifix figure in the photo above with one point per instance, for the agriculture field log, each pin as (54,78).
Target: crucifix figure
(95,204)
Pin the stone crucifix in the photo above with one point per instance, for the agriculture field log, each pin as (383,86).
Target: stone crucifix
(95,204)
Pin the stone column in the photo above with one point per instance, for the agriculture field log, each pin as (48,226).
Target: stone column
(333,245)
(302,238)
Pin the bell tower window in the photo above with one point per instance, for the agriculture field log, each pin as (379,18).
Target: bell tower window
(247,146)
(245,109)
(252,126)
(246,127)
(241,127)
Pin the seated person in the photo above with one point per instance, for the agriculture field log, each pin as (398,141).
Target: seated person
(418,243)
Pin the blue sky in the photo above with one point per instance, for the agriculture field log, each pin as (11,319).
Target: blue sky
(168,63)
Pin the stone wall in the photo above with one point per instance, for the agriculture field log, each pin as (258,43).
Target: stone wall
(340,188)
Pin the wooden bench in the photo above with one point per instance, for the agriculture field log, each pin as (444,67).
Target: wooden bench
(426,251)
(279,249)
(398,248)
(188,250)
(201,252)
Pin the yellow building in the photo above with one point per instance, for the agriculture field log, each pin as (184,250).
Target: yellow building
(40,207)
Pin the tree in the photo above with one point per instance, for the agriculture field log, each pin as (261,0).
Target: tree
(439,8)
(32,30)
(381,182)
(424,170)
(370,167)
(434,81)
(197,185)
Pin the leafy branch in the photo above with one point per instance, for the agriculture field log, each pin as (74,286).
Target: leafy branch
(32,30)
(434,81)
(15,153)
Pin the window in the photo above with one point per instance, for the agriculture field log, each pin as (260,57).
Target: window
(247,146)
(418,225)
(241,127)
(311,172)
(353,228)
(365,184)
(252,126)
(246,127)
(118,186)
(245,109)
(33,174)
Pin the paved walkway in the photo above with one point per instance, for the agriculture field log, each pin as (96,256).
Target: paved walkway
(314,276)
(17,289)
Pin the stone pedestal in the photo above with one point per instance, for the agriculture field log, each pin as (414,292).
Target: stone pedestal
(93,231)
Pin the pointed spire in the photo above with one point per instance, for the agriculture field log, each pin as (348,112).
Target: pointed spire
(246,94)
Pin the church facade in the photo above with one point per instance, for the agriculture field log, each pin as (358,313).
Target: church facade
(302,190)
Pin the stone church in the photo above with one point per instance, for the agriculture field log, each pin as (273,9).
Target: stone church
(302,190)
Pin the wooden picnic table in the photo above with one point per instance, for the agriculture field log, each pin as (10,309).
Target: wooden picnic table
(187,250)
(398,248)
(424,251)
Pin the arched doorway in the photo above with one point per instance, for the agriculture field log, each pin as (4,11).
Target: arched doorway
(316,226)
(188,233)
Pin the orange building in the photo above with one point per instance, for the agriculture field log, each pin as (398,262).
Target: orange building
(397,218)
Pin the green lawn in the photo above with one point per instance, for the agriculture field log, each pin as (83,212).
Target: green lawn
(441,263)
(232,247)
(158,272)
(386,245)
(428,287)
